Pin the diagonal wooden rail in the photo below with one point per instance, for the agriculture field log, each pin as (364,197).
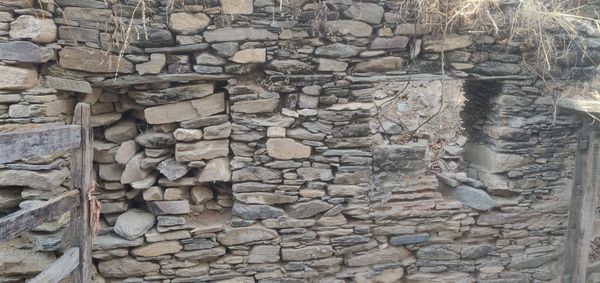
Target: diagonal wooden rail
(76,261)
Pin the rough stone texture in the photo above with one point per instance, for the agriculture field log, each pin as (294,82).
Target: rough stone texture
(287,175)
(17,78)
(366,12)
(287,149)
(308,253)
(127,267)
(246,56)
(216,170)
(187,23)
(201,150)
(473,198)
(25,51)
(39,180)
(92,60)
(243,7)
(236,236)
(134,223)
(186,110)
(33,28)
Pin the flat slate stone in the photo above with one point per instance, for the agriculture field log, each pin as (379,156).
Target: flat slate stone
(25,51)
(239,34)
(472,197)
(256,211)
(237,236)
(123,81)
(409,239)
(113,241)
(17,78)
(134,223)
(67,84)
(92,60)
(169,207)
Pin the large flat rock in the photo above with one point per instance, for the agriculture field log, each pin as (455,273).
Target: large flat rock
(185,110)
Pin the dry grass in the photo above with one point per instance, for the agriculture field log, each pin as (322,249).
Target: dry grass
(544,30)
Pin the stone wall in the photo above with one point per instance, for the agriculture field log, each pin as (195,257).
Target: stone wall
(240,143)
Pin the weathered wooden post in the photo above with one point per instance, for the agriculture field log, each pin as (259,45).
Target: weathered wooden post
(80,233)
(582,209)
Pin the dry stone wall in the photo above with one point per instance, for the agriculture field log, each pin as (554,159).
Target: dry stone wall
(240,143)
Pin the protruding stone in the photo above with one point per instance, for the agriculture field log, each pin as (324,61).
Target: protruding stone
(306,253)
(472,197)
(185,110)
(153,193)
(286,149)
(388,255)
(154,66)
(172,169)
(348,27)
(113,241)
(39,180)
(25,51)
(36,29)
(264,198)
(158,249)
(367,12)
(187,23)
(187,134)
(92,60)
(257,211)
(201,194)
(17,78)
(328,65)
(134,223)
(127,267)
(126,151)
(263,254)
(337,50)
(448,43)
(381,65)
(491,161)
(67,84)
(237,236)
(308,209)
(250,56)
(151,139)
(256,106)
(239,34)
(202,150)
(169,207)
(216,170)
(133,171)
(242,7)
(121,131)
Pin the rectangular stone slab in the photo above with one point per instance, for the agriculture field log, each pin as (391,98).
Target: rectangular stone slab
(185,110)
(169,207)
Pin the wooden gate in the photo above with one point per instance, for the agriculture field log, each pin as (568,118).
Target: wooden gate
(76,260)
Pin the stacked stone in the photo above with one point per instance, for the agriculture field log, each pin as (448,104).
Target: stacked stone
(29,100)
(306,193)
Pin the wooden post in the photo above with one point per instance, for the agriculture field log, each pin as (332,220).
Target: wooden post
(582,209)
(79,232)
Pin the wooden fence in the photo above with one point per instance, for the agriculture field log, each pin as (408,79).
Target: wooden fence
(76,260)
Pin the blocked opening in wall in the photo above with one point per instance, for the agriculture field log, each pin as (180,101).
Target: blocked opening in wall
(426,113)
(163,150)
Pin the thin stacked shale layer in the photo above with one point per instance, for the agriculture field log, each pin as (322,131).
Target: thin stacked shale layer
(238,144)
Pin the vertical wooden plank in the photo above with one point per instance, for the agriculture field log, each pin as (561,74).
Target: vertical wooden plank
(583,204)
(80,234)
